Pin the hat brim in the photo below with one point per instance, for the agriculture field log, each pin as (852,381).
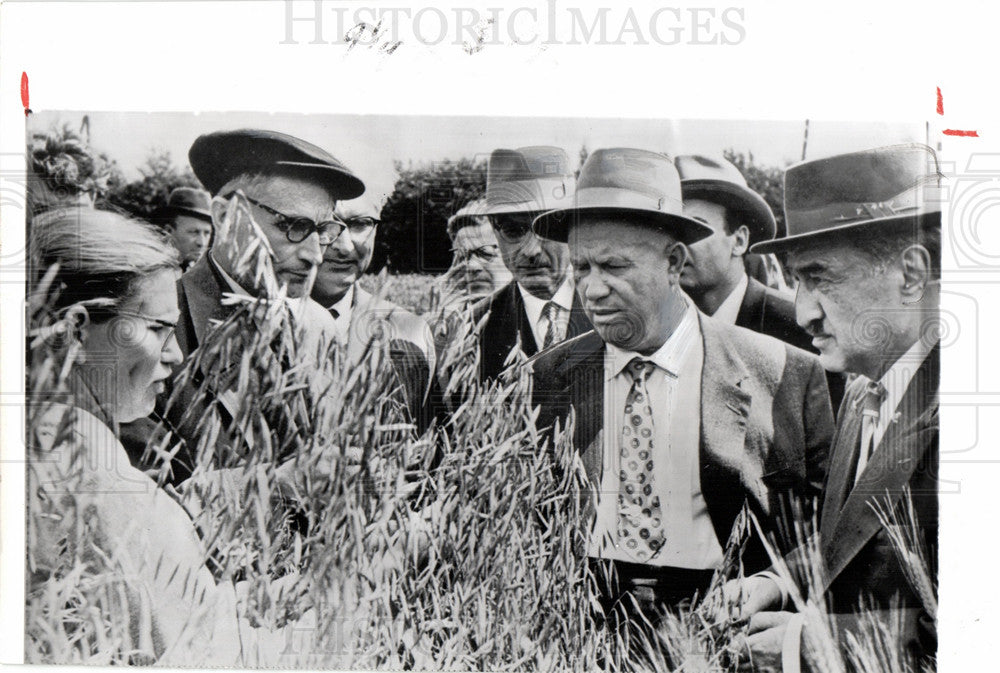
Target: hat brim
(762,224)
(169,211)
(555,224)
(513,209)
(783,244)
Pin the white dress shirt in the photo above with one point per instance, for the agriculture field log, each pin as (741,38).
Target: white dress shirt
(896,380)
(729,310)
(534,306)
(674,389)
(345,311)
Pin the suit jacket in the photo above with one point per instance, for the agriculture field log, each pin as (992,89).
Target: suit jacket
(507,323)
(765,427)
(767,311)
(857,552)
(410,346)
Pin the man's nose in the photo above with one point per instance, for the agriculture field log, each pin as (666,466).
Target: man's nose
(531,246)
(310,250)
(807,308)
(593,287)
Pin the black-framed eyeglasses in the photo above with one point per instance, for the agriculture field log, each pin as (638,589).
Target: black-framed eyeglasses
(512,227)
(298,229)
(162,328)
(361,226)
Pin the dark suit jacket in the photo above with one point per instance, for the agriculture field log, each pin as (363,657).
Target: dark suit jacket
(507,325)
(857,552)
(765,427)
(767,311)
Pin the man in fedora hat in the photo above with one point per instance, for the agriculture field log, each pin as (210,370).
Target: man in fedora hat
(187,218)
(477,268)
(539,308)
(364,321)
(715,276)
(680,418)
(290,187)
(863,243)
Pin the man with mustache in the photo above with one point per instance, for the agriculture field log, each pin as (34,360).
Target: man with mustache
(539,308)
(362,320)
(864,244)
(290,188)
(680,418)
(187,217)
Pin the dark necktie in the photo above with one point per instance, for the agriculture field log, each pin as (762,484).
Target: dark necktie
(868,406)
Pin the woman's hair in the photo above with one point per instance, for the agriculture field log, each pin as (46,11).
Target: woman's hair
(102,256)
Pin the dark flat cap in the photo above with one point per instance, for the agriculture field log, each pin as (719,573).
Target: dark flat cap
(217,158)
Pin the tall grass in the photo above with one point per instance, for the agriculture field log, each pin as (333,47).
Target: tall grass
(357,543)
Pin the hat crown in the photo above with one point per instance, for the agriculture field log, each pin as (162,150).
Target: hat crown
(649,176)
(860,186)
(216,158)
(626,183)
(528,179)
(700,167)
(190,198)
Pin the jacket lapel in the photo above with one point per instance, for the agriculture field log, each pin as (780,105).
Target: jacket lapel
(725,410)
(845,452)
(751,313)
(583,374)
(890,467)
(578,321)
(202,293)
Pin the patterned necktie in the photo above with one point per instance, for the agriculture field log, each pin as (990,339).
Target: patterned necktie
(640,522)
(868,406)
(550,324)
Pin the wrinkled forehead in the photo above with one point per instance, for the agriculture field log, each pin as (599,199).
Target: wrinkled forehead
(615,231)
(473,236)
(363,206)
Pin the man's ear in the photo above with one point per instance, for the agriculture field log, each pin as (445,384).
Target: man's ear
(741,240)
(677,257)
(916,266)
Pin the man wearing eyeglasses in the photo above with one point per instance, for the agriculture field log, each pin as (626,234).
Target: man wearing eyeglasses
(290,189)
(363,320)
(477,268)
(539,308)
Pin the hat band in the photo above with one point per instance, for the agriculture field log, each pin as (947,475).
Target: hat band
(541,193)
(617,197)
(913,201)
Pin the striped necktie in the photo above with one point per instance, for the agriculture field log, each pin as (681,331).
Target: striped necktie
(868,406)
(549,325)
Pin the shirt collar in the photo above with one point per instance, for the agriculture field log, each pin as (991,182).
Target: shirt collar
(897,379)
(670,356)
(345,304)
(729,310)
(534,306)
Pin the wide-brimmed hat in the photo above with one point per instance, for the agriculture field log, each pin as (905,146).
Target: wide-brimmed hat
(717,180)
(188,201)
(217,158)
(528,180)
(624,181)
(848,193)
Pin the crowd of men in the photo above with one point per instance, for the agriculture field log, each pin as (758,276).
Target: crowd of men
(695,386)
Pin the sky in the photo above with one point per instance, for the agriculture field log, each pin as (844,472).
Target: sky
(369,144)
